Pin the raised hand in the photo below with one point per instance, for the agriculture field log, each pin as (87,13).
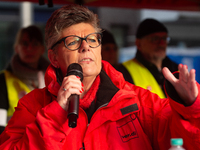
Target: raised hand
(186,85)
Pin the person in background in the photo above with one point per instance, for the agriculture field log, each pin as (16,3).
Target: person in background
(113,114)
(24,72)
(109,50)
(145,69)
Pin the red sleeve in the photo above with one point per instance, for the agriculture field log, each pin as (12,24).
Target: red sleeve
(186,122)
(163,119)
(37,125)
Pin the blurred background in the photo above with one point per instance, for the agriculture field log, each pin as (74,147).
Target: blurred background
(183,24)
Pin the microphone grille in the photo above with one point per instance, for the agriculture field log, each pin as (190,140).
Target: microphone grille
(75,69)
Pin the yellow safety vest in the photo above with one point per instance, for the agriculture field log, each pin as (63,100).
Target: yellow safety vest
(142,77)
(16,89)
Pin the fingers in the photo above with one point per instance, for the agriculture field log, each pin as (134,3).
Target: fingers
(192,75)
(184,74)
(192,83)
(168,75)
(70,85)
(186,84)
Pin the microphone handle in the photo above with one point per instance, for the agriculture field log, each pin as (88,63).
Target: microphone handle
(73,110)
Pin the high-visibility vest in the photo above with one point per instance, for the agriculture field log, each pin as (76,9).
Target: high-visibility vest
(142,77)
(16,89)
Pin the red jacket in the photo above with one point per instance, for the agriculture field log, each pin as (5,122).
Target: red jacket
(134,119)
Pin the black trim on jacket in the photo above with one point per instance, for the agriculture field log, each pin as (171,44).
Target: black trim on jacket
(106,91)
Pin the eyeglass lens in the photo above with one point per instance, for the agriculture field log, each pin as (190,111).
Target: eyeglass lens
(157,39)
(74,42)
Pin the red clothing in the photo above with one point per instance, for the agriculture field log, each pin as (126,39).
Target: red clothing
(134,119)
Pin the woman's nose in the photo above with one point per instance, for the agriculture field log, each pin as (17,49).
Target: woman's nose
(84,46)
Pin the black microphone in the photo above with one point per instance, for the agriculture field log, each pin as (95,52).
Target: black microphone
(74,69)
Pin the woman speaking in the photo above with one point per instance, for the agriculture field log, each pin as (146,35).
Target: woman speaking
(112,113)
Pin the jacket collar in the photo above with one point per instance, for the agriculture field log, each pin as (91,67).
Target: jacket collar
(113,89)
(115,98)
(115,77)
(51,80)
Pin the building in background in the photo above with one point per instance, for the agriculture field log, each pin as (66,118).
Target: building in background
(183,26)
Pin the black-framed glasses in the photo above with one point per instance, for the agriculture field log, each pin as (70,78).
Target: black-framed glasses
(73,42)
(157,39)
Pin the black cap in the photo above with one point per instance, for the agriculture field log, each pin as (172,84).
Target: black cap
(107,38)
(149,26)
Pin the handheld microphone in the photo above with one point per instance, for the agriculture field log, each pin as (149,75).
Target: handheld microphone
(74,69)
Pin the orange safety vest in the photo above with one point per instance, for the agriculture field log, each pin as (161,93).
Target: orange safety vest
(142,77)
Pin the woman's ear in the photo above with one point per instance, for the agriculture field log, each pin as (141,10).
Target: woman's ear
(53,58)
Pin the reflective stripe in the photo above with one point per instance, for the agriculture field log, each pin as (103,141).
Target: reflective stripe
(16,90)
(142,77)
(3,117)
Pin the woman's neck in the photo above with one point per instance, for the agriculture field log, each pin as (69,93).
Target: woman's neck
(87,83)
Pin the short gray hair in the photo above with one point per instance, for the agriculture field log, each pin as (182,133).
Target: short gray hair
(65,17)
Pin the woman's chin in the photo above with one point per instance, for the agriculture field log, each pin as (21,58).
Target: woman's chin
(90,72)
